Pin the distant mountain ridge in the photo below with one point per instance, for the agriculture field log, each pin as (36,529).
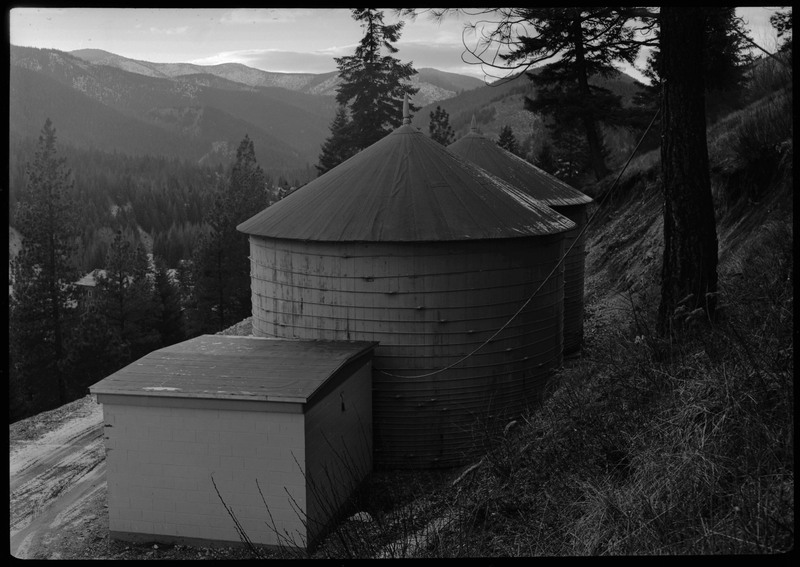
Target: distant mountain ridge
(195,112)
(503,104)
(109,108)
(201,113)
(234,72)
(434,84)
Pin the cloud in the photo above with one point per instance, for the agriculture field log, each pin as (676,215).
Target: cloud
(169,31)
(276,60)
(441,56)
(264,16)
(25,12)
(756,18)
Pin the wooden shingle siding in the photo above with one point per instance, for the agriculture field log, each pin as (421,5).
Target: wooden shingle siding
(574,277)
(428,305)
(553,192)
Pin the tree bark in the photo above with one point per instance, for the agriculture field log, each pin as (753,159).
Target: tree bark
(690,237)
(593,138)
(221,288)
(55,300)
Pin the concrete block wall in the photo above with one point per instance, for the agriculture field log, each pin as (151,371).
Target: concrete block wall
(161,461)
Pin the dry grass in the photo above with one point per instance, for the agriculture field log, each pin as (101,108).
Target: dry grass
(645,447)
(656,449)
(653,448)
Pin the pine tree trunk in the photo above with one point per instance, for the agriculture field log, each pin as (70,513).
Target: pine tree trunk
(690,238)
(55,298)
(589,121)
(221,288)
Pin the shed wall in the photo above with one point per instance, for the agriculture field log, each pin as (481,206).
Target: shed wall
(429,305)
(338,447)
(574,276)
(161,460)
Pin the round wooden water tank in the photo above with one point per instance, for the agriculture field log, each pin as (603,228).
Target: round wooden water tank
(443,264)
(553,192)
(428,305)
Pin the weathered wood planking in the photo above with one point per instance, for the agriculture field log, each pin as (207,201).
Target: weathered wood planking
(428,305)
(574,277)
(553,192)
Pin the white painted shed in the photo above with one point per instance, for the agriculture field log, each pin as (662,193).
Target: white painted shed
(283,428)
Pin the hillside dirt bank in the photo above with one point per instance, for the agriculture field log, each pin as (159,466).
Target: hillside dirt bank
(57,479)
(57,459)
(58,485)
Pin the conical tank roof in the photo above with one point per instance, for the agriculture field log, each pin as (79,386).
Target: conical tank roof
(405,188)
(537,183)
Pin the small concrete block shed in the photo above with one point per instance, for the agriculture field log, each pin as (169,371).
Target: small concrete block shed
(286,423)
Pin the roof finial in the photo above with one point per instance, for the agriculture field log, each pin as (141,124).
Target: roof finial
(473,127)
(406,115)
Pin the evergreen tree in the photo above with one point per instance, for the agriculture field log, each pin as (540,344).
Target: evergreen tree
(18,402)
(96,350)
(184,274)
(439,127)
(36,382)
(221,264)
(373,87)
(545,159)
(168,317)
(337,147)
(578,43)
(44,294)
(569,153)
(782,22)
(690,257)
(725,59)
(581,42)
(124,295)
(507,141)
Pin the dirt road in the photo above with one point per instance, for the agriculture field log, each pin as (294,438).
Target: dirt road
(57,465)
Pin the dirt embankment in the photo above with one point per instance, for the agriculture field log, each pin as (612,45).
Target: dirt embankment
(57,478)
(58,496)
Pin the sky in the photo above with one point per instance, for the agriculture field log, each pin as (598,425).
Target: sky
(300,40)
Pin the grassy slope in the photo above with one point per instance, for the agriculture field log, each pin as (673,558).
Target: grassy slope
(645,447)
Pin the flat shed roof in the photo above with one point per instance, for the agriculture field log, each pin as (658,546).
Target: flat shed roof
(235,368)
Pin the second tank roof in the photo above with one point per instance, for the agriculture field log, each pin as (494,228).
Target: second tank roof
(536,182)
(406,188)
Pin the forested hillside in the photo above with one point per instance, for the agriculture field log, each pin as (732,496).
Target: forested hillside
(119,255)
(166,197)
(501,103)
(104,107)
(192,112)
(147,143)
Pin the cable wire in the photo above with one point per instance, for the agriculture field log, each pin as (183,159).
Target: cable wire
(553,271)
